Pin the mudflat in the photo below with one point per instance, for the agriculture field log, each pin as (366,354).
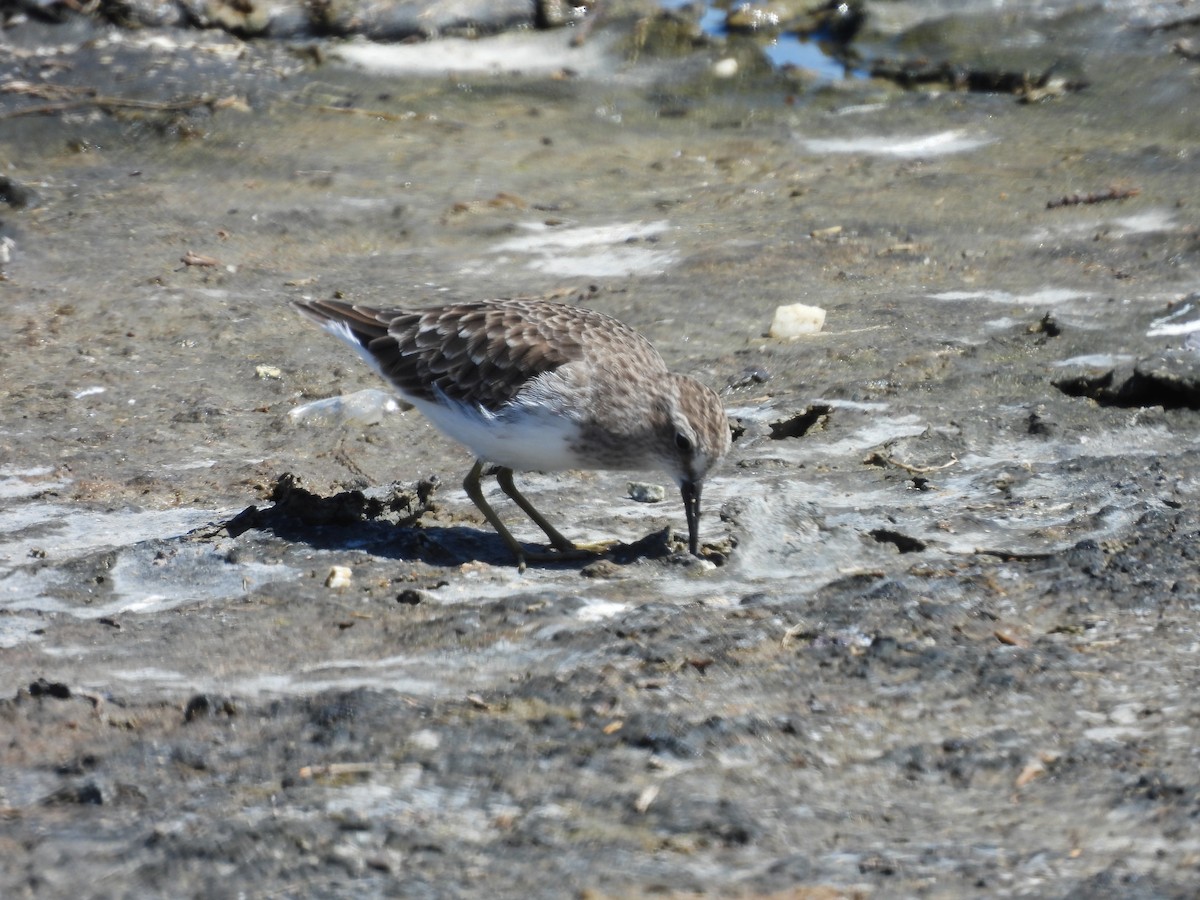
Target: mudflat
(943,638)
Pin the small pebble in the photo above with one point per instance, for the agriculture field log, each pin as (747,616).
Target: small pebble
(425,739)
(725,68)
(268,372)
(644,492)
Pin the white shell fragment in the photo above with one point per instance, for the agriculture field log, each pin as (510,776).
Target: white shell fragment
(339,577)
(796,320)
(725,68)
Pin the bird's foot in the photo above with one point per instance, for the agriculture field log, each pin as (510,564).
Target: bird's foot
(567,552)
(596,548)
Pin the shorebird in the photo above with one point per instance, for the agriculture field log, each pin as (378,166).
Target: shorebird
(538,385)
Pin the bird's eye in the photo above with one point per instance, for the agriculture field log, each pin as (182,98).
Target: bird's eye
(682,442)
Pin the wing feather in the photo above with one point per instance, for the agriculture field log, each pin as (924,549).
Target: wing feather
(481,353)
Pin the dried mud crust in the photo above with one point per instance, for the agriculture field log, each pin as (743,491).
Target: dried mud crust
(890,723)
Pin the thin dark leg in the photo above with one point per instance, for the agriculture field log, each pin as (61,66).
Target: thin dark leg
(504,477)
(475,492)
(564,547)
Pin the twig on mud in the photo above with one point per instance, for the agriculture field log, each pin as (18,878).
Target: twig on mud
(794,632)
(197,259)
(69,99)
(337,769)
(882,459)
(361,111)
(343,456)
(1172,24)
(1101,197)
(1013,555)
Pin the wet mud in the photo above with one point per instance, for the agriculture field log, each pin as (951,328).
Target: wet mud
(943,639)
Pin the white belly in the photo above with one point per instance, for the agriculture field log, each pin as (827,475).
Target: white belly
(531,440)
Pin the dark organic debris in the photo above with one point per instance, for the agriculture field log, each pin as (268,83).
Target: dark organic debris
(15,194)
(815,416)
(1038,424)
(1113,193)
(293,504)
(55,689)
(655,545)
(1014,555)
(52,12)
(1094,385)
(203,705)
(1192,21)
(1158,787)
(904,543)
(86,794)
(1029,87)
(1046,325)
(1170,380)
(748,377)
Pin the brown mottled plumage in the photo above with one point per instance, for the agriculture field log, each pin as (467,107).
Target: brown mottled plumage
(540,385)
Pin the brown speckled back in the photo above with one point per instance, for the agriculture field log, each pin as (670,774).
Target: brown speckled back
(482,353)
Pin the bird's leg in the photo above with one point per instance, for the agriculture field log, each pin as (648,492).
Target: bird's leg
(475,492)
(564,545)
(564,548)
(504,477)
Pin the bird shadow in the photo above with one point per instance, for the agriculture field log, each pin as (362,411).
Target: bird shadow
(389,526)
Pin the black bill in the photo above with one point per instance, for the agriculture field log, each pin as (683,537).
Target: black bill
(691,509)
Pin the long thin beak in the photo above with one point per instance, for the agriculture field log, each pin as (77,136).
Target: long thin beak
(691,509)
